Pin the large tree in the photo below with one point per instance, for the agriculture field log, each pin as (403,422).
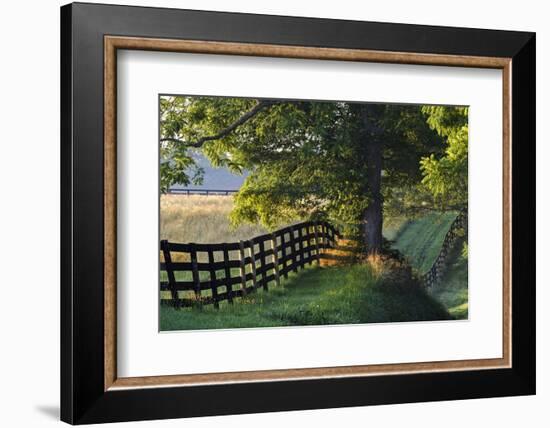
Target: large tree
(335,160)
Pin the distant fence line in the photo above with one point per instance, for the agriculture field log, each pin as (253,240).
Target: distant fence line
(434,274)
(258,262)
(206,192)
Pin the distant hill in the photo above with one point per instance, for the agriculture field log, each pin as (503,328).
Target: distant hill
(215,178)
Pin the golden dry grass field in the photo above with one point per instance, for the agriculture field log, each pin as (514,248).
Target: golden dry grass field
(201,219)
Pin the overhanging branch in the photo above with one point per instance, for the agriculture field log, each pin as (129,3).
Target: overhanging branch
(260,105)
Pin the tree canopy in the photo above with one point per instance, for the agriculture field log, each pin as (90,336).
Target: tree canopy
(446,177)
(341,161)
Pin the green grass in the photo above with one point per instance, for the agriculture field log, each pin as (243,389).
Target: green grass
(340,294)
(420,240)
(314,296)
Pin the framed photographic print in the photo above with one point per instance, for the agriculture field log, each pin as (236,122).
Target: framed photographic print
(265,213)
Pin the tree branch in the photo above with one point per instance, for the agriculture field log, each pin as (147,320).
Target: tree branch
(260,105)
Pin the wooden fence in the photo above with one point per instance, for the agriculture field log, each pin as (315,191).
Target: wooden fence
(434,274)
(205,192)
(211,273)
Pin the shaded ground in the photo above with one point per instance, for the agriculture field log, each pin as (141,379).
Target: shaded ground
(420,241)
(453,288)
(315,296)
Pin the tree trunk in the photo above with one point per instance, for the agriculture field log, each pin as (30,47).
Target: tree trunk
(372,216)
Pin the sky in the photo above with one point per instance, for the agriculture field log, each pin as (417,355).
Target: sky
(215,178)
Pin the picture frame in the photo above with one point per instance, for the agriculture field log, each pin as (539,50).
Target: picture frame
(91,35)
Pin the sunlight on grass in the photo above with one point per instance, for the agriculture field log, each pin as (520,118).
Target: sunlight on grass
(460,311)
(315,296)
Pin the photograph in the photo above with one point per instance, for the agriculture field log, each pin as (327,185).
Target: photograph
(288,212)
(282,210)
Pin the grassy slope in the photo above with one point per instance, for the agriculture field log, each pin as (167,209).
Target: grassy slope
(315,296)
(420,241)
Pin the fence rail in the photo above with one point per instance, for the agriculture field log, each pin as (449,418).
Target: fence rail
(434,274)
(211,273)
(207,192)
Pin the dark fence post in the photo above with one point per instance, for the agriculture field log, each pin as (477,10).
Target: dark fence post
(165,246)
(275,259)
(283,254)
(330,235)
(301,246)
(253,262)
(309,227)
(333,234)
(195,270)
(262,265)
(293,250)
(213,282)
(317,250)
(243,267)
(227,270)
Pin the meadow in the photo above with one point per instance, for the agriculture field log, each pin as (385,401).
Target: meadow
(347,294)
(201,219)
(354,294)
(313,159)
